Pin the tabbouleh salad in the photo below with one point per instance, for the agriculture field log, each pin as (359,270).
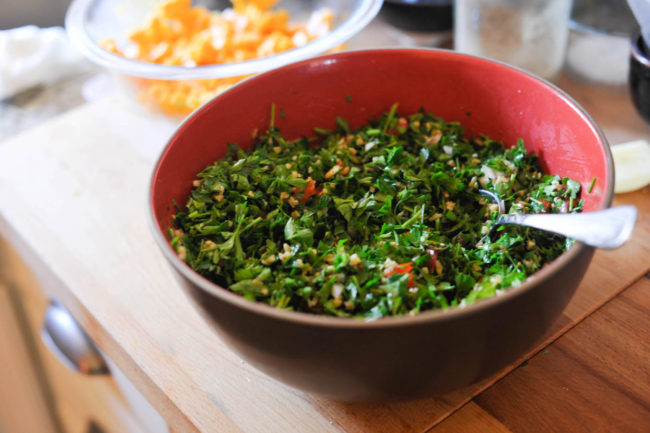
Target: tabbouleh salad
(383,220)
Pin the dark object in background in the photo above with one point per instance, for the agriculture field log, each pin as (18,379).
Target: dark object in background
(639,77)
(419,15)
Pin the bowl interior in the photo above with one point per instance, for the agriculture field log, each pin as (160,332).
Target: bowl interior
(487,97)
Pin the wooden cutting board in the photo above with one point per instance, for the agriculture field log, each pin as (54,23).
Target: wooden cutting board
(72,202)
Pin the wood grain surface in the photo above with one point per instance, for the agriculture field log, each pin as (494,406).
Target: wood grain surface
(471,418)
(72,201)
(595,378)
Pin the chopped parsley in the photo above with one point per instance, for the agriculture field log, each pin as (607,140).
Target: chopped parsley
(379,221)
(591,185)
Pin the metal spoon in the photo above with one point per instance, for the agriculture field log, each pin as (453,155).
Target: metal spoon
(608,228)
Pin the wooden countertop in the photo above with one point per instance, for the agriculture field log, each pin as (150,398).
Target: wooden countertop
(72,202)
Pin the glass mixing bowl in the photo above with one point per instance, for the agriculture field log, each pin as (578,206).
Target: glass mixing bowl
(89,22)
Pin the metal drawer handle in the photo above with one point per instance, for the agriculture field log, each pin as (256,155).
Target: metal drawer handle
(69,343)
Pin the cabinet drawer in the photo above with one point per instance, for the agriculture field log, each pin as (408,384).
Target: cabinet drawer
(76,400)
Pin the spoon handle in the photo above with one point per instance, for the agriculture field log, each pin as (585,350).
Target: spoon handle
(608,228)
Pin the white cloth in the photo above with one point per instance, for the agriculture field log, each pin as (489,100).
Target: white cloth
(31,55)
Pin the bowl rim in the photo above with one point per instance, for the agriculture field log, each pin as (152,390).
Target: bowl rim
(75,24)
(450,313)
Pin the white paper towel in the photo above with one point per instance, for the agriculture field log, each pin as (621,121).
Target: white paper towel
(31,55)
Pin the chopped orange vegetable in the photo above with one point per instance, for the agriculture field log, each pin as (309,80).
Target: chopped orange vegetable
(179,34)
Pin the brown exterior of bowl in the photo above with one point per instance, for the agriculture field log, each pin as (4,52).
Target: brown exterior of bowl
(396,361)
(398,357)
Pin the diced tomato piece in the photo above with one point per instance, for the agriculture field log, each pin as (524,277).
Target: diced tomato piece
(400,127)
(404,268)
(402,123)
(433,258)
(310,190)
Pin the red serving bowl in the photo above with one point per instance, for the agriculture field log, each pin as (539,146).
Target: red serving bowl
(397,357)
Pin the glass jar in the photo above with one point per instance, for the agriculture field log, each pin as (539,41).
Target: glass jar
(530,34)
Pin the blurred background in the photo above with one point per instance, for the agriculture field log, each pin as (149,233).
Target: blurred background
(43,13)
(595,69)
(595,49)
